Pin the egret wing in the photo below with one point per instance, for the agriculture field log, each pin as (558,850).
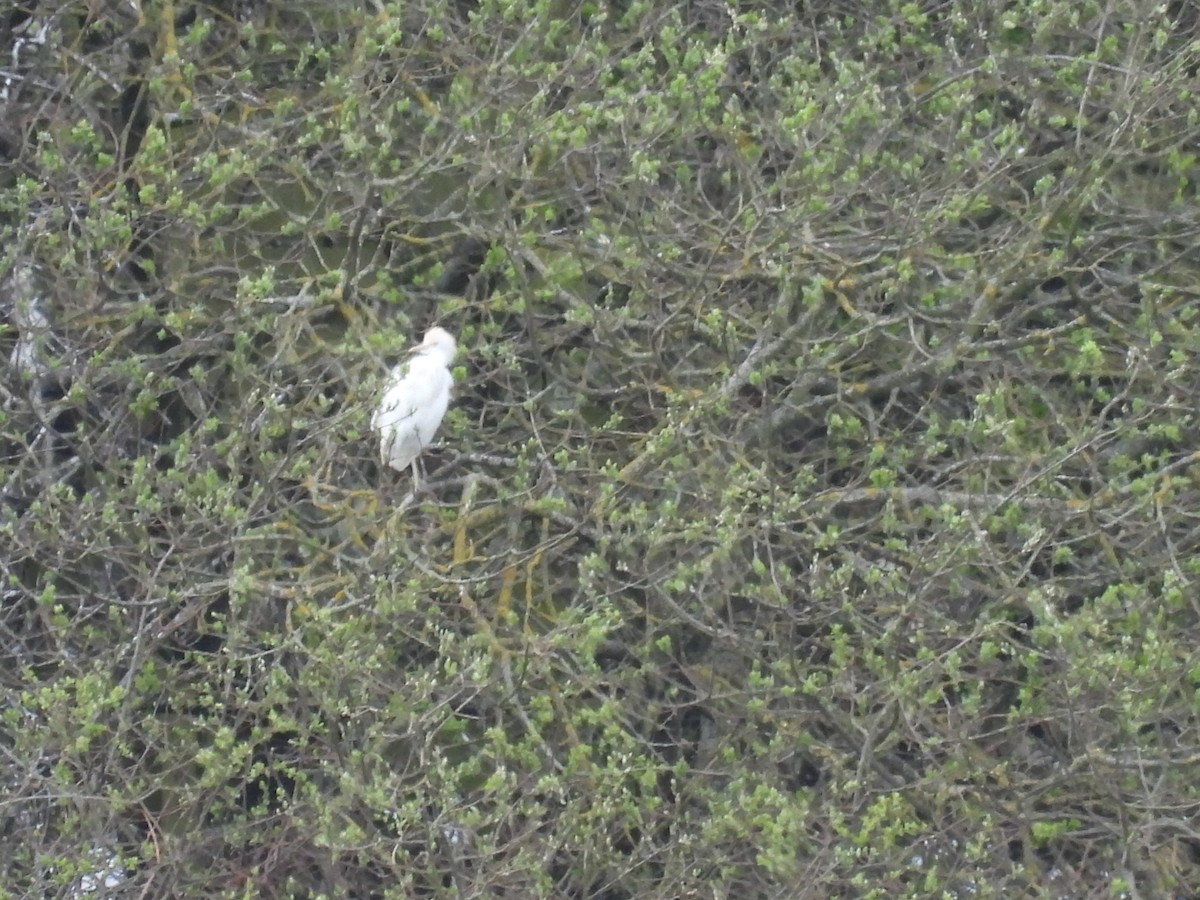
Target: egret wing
(411,410)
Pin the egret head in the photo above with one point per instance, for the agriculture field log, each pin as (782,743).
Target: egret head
(438,342)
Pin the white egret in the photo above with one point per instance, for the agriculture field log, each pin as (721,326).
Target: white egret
(416,398)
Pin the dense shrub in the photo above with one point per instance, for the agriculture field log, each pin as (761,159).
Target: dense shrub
(815,516)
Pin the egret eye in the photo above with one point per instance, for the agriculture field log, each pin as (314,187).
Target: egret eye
(415,401)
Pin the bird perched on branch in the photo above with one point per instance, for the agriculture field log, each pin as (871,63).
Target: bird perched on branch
(416,398)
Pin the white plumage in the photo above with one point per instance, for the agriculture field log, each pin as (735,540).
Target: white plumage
(416,398)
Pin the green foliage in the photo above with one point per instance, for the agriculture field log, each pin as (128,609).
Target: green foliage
(813,518)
